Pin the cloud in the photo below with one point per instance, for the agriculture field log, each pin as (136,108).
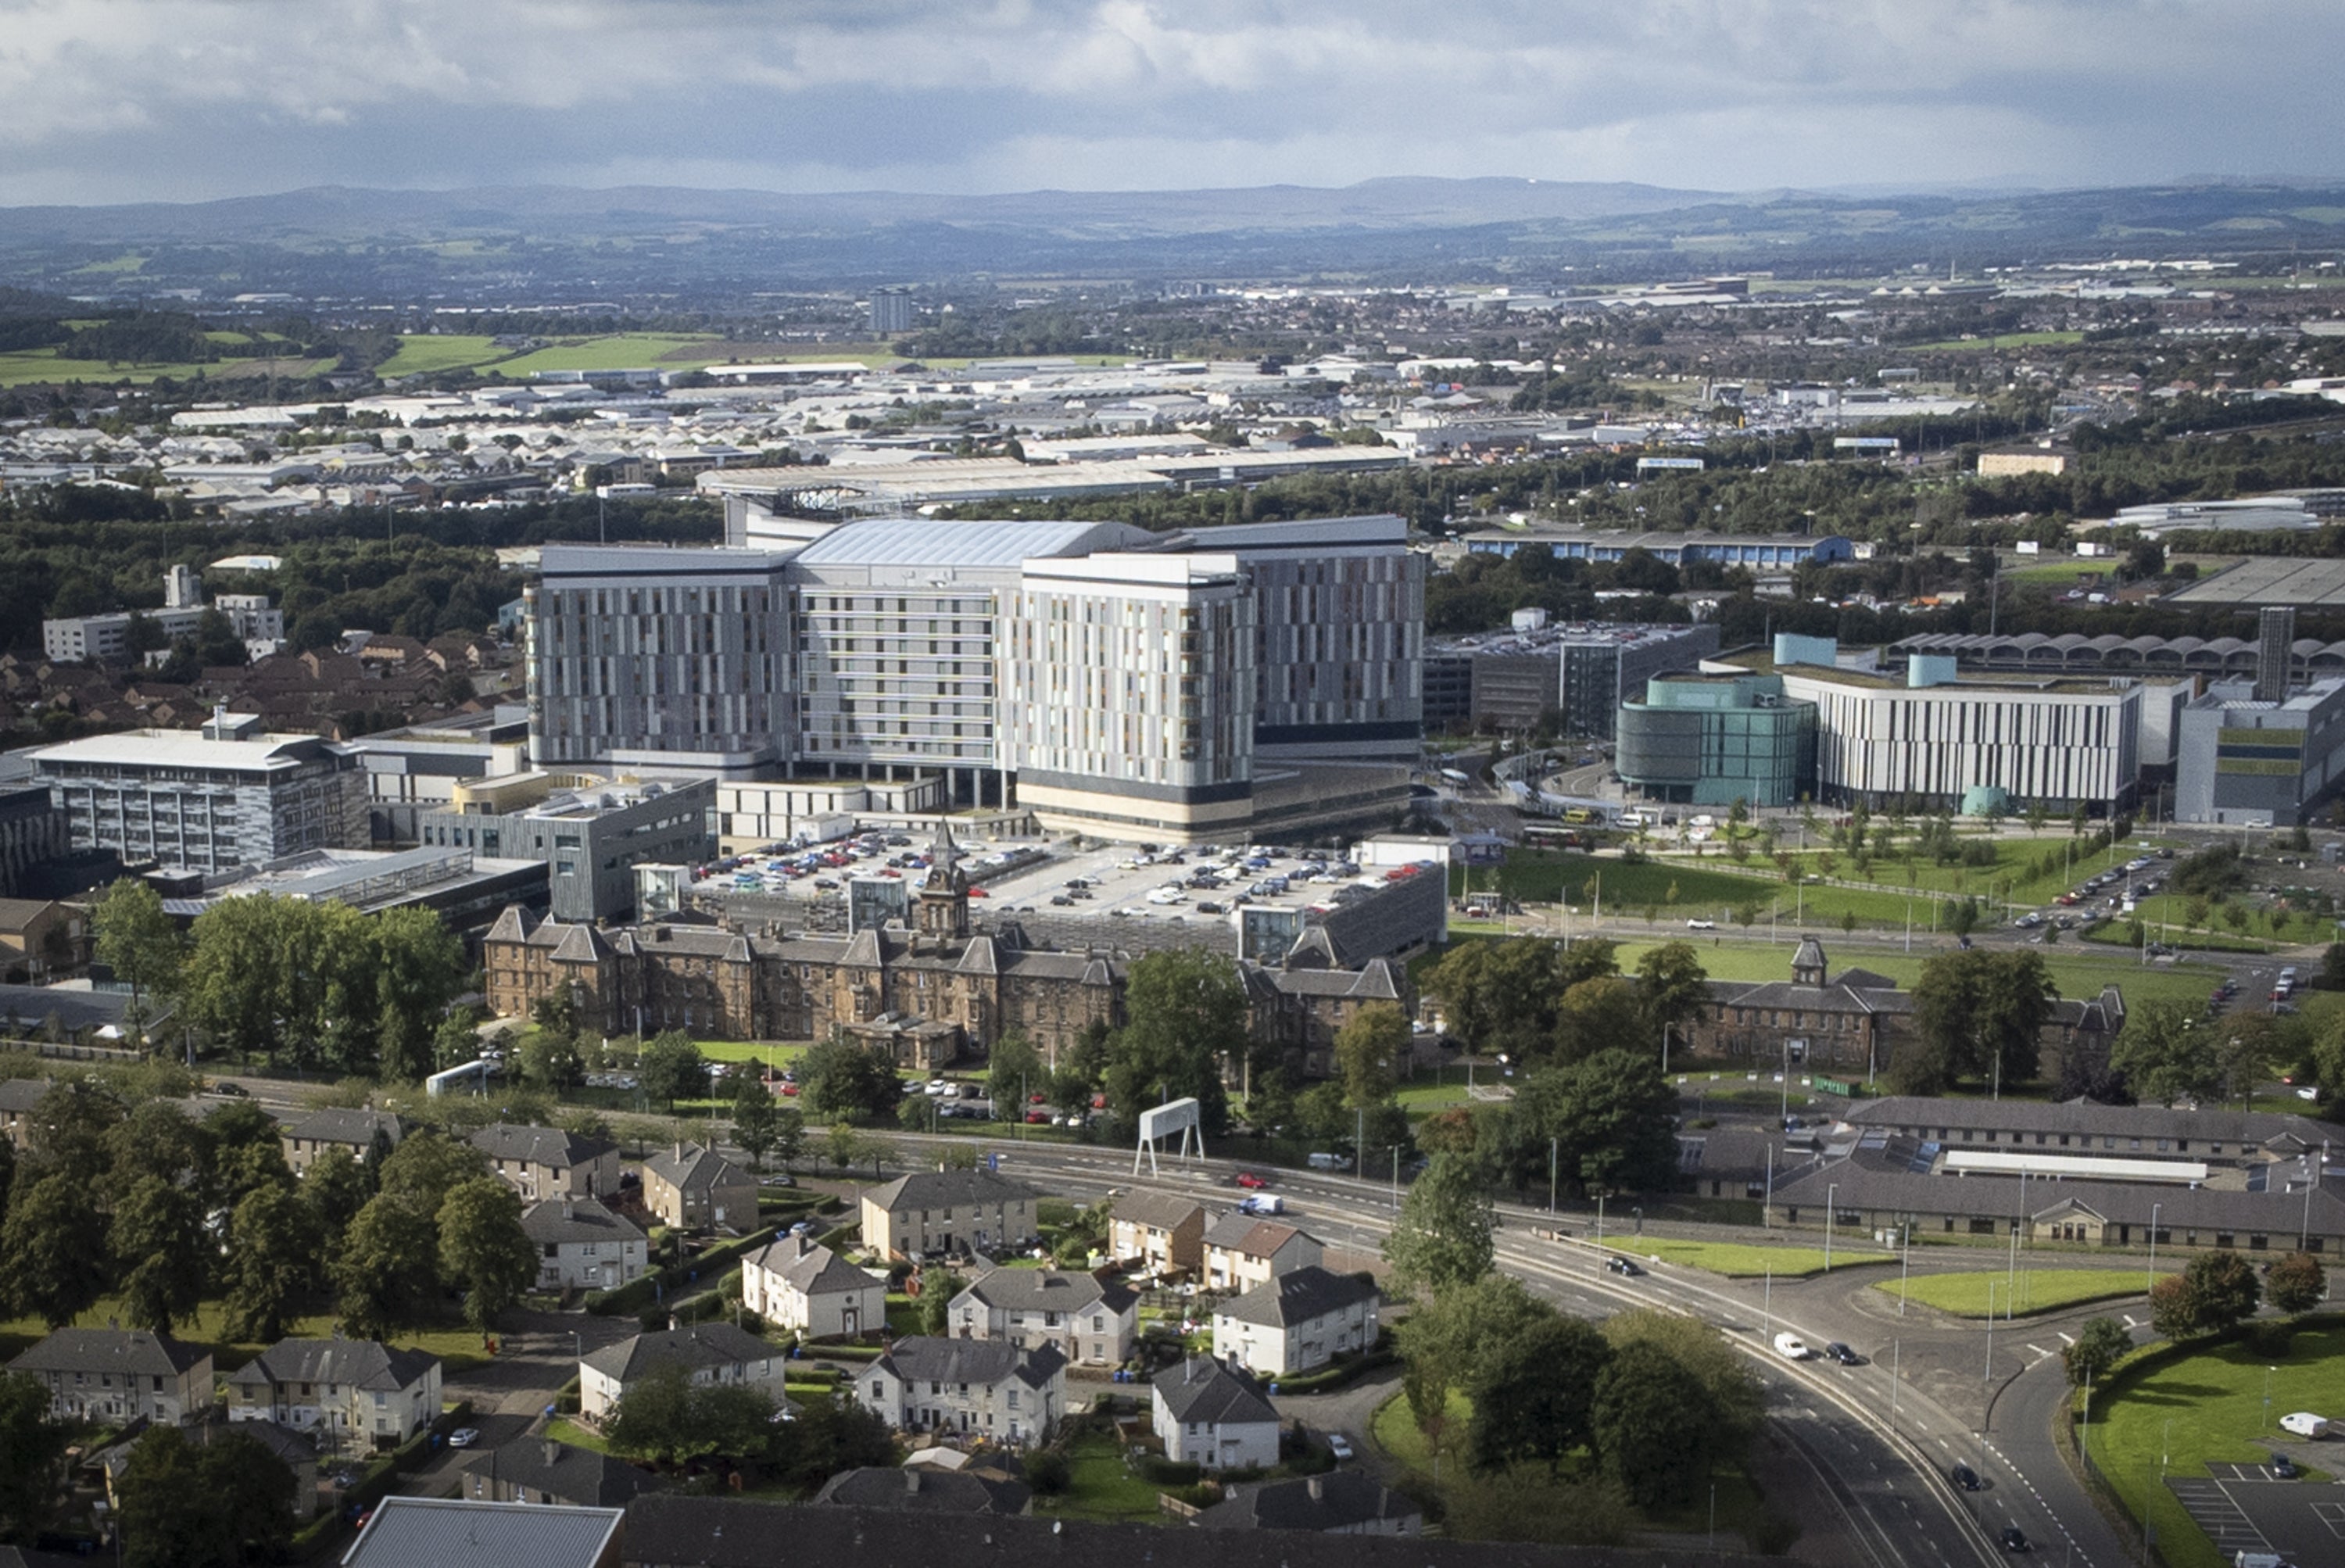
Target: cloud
(179,99)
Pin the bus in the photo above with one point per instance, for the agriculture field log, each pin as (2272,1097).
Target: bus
(1546,836)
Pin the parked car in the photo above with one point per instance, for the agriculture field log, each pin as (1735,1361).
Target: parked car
(464,1437)
(1340,1446)
(2284,1468)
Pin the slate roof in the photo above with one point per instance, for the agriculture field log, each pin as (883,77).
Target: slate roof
(336,1124)
(811,1269)
(538,1145)
(359,1363)
(127,1350)
(949,1189)
(726,1532)
(1048,1290)
(1255,1237)
(692,1168)
(551,1221)
(1165,1210)
(1302,1294)
(701,1345)
(928,1359)
(925,1492)
(1339,1500)
(2203,1128)
(1206,1390)
(575,1475)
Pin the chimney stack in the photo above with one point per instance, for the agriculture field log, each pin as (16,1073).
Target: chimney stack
(1318,1488)
(553,1451)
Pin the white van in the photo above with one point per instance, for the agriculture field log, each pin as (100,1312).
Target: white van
(1790,1347)
(1330,1163)
(2305,1424)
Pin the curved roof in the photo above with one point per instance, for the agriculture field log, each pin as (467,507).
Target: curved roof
(922,542)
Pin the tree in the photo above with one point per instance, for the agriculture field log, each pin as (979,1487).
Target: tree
(1012,1070)
(1186,1016)
(938,1289)
(1370,1050)
(1447,1338)
(1598,1014)
(1604,1124)
(2096,1348)
(54,1269)
(32,1456)
(336,1187)
(385,1276)
(274,1243)
(1736,1399)
(421,968)
(160,1247)
(483,1250)
(138,941)
(2214,1291)
(552,1060)
(228,1502)
(666,1418)
(1978,1013)
(1534,1394)
(1671,984)
(2163,1053)
(840,1078)
(672,1067)
(757,1121)
(2296,1283)
(1654,1425)
(70,1128)
(1442,1237)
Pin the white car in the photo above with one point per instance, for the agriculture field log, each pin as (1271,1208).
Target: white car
(1340,1446)
(2304,1424)
(1790,1347)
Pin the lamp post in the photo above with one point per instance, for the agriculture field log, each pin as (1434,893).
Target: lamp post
(2267,1372)
(1665,1027)
(1395,1181)
(1831,1191)
(1554,1152)
(2150,1283)
(1905,1270)
(1599,1217)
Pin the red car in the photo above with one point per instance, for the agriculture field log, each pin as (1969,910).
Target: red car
(790,1088)
(1249,1180)
(977,892)
(1037,1117)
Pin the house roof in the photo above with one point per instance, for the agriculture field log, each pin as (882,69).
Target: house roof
(360,1363)
(1339,1500)
(2090,1117)
(1205,1390)
(1048,1290)
(1237,1232)
(454,1533)
(538,1145)
(131,1350)
(923,1358)
(1165,1210)
(688,1167)
(575,1475)
(551,1221)
(337,1124)
(701,1345)
(948,1189)
(1298,1296)
(923,1491)
(811,1269)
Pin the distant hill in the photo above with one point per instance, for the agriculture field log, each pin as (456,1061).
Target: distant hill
(549,243)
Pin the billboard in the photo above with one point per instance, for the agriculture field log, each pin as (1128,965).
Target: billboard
(1159,1122)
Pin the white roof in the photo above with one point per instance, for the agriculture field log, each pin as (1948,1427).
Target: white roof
(151,748)
(1997,1164)
(919,542)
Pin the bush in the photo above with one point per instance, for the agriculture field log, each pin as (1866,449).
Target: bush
(1048,1473)
(1161,1472)
(2271,1337)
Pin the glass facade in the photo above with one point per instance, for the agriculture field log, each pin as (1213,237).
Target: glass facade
(1713,740)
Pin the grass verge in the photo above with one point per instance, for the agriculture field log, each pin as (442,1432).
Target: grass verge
(1741,1260)
(2039,1290)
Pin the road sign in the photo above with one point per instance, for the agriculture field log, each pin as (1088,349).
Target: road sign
(1823,1085)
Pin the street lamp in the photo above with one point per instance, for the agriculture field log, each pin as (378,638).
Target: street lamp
(2150,1283)
(1554,1152)
(1832,1190)
(2267,1372)
(1665,1027)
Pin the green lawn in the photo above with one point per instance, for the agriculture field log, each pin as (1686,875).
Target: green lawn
(2075,972)
(2207,1409)
(562,1428)
(1100,1487)
(27,366)
(617,351)
(2003,340)
(1741,1260)
(1395,1430)
(421,354)
(2039,1290)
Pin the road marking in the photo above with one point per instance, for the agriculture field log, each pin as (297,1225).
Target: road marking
(2067,1338)
(2129,1322)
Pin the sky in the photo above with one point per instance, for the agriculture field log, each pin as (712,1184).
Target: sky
(106,101)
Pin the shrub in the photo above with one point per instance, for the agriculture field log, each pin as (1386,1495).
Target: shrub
(1159,1471)
(1048,1473)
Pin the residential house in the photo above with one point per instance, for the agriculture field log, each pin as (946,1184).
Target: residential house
(1089,1320)
(356,1132)
(928,1212)
(1300,1320)
(1158,1232)
(358,1391)
(695,1188)
(41,941)
(583,1246)
(708,1352)
(1215,1416)
(919,1490)
(112,1375)
(296,1450)
(1340,1502)
(1243,1252)
(541,1471)
(547,1162)
(18,1098)
(981,1387)
(795,1284)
